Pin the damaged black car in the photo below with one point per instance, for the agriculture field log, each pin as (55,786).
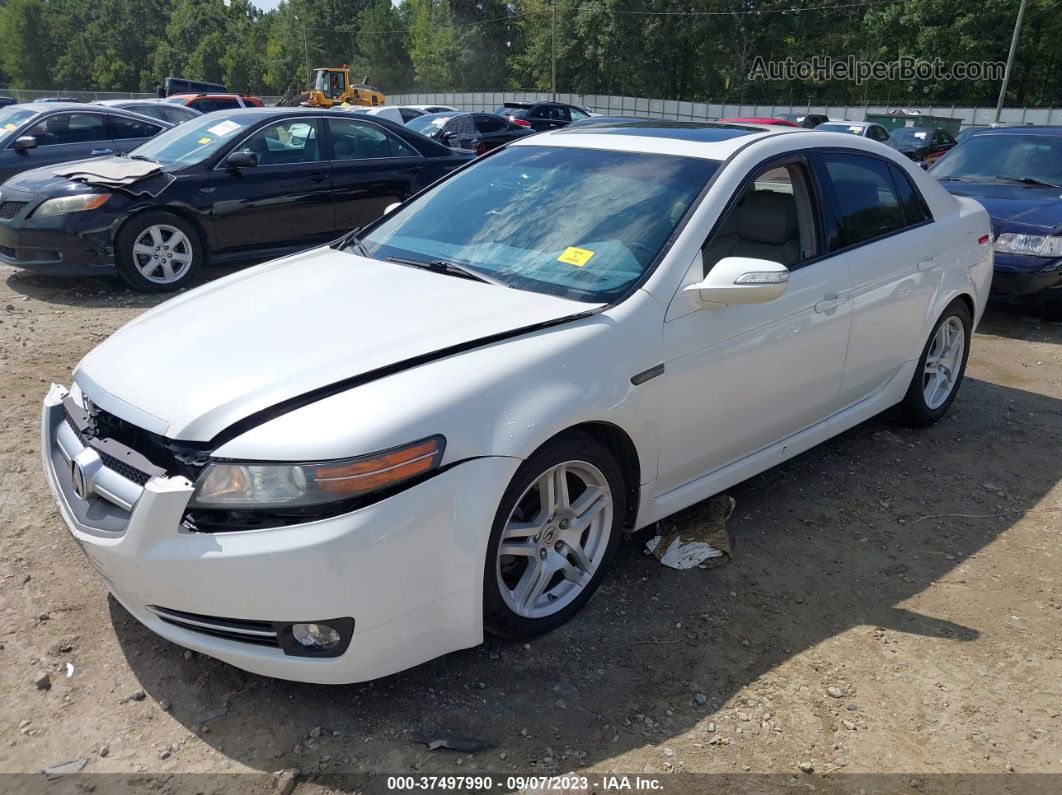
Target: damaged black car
(229,186)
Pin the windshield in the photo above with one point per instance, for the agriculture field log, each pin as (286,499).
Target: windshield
(912,136)
(987,157)
(583,224)
(11,118)
(428,125)
(193,141)
(840,127)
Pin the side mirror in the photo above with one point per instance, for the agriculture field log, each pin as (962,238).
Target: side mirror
(241,160)
(391,208)
(449,139)
(740,280)
(25,142)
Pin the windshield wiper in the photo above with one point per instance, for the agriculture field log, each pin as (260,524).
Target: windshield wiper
(142,157)
(953,179)
(350,240)
(450,269)
(1030,181)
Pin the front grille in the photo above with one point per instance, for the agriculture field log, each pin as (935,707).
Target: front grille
(9,210)
(259,633)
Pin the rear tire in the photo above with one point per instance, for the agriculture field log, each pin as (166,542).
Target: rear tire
(941,367)
(560,520)
(158,252)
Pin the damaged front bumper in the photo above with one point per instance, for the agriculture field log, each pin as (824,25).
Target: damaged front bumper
(71,244)
(408,570)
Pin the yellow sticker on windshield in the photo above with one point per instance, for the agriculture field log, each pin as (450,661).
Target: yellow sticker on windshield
(9,126)
(205,140)
(575,256)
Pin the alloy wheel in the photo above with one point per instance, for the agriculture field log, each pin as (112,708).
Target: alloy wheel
(555,539)
(943,362)
(163,254)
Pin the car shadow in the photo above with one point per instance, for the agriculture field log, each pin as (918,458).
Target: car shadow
(835,539)
(1019,322)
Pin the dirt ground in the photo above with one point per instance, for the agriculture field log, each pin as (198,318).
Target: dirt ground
(894,606)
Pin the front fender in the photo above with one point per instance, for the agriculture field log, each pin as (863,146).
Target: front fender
(504,399)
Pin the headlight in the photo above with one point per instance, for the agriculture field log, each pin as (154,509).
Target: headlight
(71,204)
(226,485)
(1031,245)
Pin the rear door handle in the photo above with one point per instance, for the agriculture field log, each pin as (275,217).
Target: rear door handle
(926,264)
(414,169)
(831,301)
(318,176)
(102,152)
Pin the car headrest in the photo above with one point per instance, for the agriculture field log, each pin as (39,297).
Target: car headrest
(767,216)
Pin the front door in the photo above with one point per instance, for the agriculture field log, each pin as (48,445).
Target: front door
(740,378)
(284,201)
(371,169)
(62,137)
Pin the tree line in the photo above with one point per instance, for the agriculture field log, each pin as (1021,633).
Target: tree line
(698,50)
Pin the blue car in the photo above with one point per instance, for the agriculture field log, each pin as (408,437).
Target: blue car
(1016,173)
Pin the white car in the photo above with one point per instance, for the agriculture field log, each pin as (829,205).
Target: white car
(400,114)
(343,463)
(864,129)
(433,108)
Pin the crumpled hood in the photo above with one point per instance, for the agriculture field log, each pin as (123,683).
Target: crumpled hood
(1014,208)
(207,359)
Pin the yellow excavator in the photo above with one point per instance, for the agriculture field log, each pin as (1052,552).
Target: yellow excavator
(332,86)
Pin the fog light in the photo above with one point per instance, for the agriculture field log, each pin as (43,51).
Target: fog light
(318,637)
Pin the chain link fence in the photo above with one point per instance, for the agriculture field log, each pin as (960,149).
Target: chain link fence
(706,111)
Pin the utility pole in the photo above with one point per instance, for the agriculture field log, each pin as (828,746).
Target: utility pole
(1010,60)
(553,56)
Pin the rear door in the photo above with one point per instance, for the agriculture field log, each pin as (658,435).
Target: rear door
(127,134)
(493,132)
(880,227)
(65,136)
(286,200)
(371,169)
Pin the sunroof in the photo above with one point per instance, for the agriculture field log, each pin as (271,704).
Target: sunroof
(703,132)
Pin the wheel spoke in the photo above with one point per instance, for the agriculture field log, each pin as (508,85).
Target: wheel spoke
(579,569)
(156,235)
(521,529)
(533,582)
(590,504)
(167,269)
(148,267)
(553,491)
(144,249)
(519,548)
(182,257)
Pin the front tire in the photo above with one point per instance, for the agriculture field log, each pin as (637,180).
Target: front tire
(158,252)
(940,368)
(554,534)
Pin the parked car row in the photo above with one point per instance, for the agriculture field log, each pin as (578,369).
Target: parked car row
(347,462)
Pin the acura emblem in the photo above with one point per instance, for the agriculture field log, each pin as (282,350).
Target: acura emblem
(81,486)
(83,469)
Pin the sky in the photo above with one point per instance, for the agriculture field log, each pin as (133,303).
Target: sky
(266,5)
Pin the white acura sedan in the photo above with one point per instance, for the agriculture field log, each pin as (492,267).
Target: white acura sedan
(346,462)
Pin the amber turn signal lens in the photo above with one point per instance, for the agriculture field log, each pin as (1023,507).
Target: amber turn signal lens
(379,471)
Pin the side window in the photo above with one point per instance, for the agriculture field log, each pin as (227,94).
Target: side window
(462,126)
(914,207)
(878,133)
(210,105)
(358,140)
(866,202)
(408,114)
(69,128)
(578,114)
(539,112)
(177,113)
(488,124)
(773,219)
(285,143)
(154,111)
(122,128)
(559,114)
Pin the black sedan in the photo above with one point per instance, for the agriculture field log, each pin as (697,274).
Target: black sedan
(224,187)
(479,132)
(541,116)
(923,144)
(41,133)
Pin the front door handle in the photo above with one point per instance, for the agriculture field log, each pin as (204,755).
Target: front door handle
(102,152)
(831,301)
(318,176)
(926,264)
(414,169)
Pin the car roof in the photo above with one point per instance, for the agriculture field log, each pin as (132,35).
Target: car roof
(847,123)
(1024,130)
(691,139)
(47,107)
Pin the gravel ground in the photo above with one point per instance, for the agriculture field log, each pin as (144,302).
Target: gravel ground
(893,607)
